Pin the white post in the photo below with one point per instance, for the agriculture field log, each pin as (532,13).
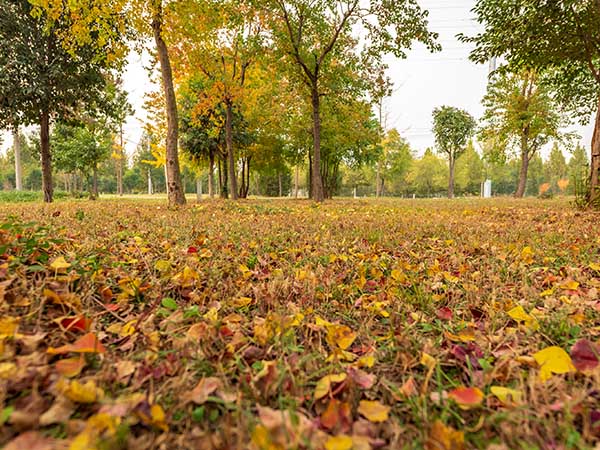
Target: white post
(149,182)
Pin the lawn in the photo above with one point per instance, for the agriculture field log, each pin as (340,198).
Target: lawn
(285,324)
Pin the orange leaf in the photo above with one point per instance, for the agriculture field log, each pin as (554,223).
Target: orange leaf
(88,343)
(466,397)
(442,437)
(70,367)
(80,323)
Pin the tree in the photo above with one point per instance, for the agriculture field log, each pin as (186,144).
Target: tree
(555,168)
(395,160)
(427,174)
(316,39)
(81,149)
(452,128)
(522,116)
(562,37)
(41,79)
(469,171)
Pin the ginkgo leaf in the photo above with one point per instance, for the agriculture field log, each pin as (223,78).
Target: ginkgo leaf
(88,343)
(553,360)
(324,384)
(339,442)
(374,411)
(466,397)
(507,396)
(59,264)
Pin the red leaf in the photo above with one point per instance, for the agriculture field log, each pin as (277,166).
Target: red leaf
(192,250)
(444,313)
(466,397)
(337,414)
(79,323)
(585,355)
(361,378)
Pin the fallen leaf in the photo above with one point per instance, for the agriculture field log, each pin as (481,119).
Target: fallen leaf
(204,388)
(88,343)
(518,314)
(340,442)
(553,360)
(8,326)
(78,392)
(59,412)
(361,378)
(59,264)
(324,384)
(152,415)
(466,397)
(337,414)
(70,367)
(507,396)
(7,370)
(79,323)
(585,355)
(32,440)
(442,437)
(373,410)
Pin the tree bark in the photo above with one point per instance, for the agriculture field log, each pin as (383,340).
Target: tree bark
(378,180)
(94,193)
(175,192)
(47,187)
(211,175)
(280,184)
(451,177)
(198,189)
(594,182)
(18,168)
(120,163)
(149,182)
(229,145)
(317,179)
(523,174)
(296,181)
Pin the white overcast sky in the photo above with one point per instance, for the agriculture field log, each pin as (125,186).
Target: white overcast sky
(422,81)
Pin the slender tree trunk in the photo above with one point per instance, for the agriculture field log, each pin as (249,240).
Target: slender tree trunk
(451,177)
(94,193)
(46,157)
(199,189)
(296,181)
(523,174)
(174,188)
(230,155)
(17,150)
(211,175)
(594,193)
(120,154)
(149,182)
(378,183)
(317,179)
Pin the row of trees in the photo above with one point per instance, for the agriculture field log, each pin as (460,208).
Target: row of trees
(263,86)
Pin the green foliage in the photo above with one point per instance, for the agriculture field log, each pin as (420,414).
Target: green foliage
(452,128)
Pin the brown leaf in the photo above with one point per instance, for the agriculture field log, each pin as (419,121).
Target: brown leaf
(585,355)
(59,412)
(337,415)
(204,389)
(32,440)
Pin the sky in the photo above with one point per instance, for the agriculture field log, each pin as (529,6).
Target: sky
(422,81)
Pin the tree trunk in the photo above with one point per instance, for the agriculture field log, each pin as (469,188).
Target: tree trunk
(378,180)
(149,182)
(17,150)
(523,174)
(46,157)
(317,179)
(594,192)
(296,181)
(280,183)
(175,192)
(229,145)
(199,189)
(211,178)
(120,163)
(94,193)
(451,177)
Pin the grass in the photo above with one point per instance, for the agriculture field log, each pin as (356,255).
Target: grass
(262,299)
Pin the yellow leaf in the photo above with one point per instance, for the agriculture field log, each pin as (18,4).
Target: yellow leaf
(80,393)
(553,360)
(162,265)
(366,361)
(450,278)
(70,367)
(442,437)
(212,315)
(59,264)
(341,335)
(569,285)
(340,442)
(595,266)
(8,327)
(373,410)
(506,395)
(527,255)
(242,302)
(324,384)
(428,360)
(7,370)
(520,315)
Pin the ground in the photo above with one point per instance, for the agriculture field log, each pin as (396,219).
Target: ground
(285,324)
